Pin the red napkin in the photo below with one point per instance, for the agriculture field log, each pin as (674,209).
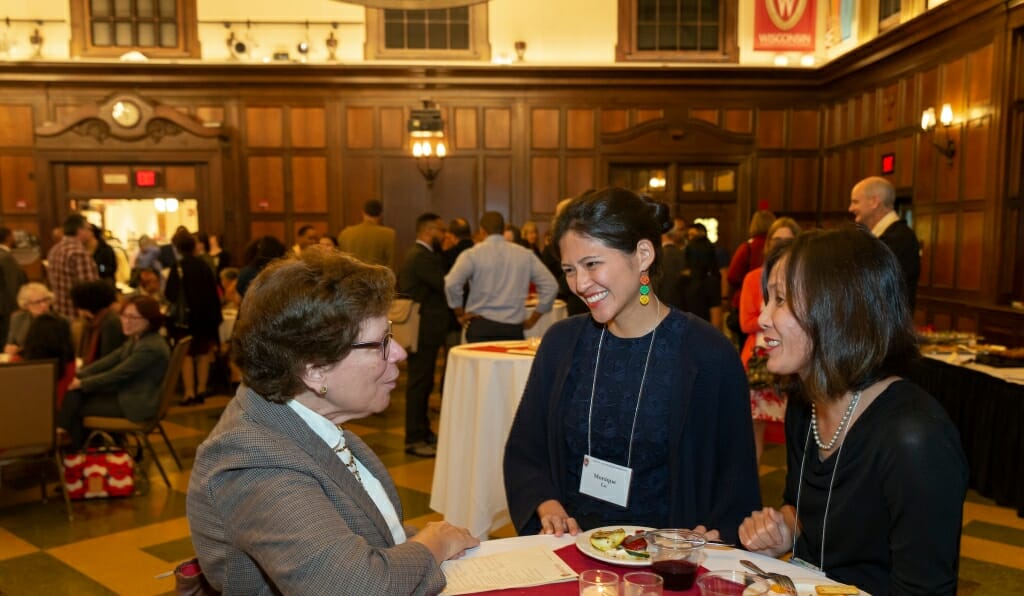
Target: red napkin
(579,563)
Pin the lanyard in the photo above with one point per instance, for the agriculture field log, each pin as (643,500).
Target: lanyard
(639,395)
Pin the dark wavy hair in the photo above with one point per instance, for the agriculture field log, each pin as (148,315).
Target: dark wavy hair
(845,289)
(93,296)
(305,311)
(617,218)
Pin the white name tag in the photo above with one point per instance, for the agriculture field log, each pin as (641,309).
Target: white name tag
(606,481)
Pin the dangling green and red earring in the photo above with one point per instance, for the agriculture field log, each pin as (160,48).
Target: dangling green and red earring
(645,289)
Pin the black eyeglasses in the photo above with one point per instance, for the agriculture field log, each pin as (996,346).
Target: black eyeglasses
(384,345)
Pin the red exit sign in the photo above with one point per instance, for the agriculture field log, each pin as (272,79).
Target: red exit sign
(144,178)
(888,163)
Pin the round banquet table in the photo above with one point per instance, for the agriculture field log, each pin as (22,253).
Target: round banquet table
(483,384)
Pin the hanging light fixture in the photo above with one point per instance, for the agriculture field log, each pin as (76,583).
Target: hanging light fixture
(426,139)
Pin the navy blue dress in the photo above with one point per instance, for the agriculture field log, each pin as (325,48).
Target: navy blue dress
(619,375)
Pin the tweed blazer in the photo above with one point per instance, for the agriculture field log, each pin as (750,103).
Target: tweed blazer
(134,372)
(272,510)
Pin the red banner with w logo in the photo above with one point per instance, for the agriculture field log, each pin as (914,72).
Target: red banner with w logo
(784,25)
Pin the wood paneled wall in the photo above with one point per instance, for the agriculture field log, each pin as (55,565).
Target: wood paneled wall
(309,145)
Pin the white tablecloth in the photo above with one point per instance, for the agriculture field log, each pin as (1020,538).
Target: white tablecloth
(558,312)
(1010,375)
(715,559)
(482,390)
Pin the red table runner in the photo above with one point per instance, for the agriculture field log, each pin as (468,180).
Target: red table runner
(579,563)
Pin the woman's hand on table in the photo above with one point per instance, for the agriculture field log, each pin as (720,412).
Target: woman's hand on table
(444,540)
(555,520)
(74,384)
(766,532)
(11,349)
(708,534)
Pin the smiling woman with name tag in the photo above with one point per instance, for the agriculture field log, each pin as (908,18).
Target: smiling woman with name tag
(637,414)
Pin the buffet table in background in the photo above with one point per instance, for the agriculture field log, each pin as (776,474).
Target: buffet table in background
(987,405)
(483,384)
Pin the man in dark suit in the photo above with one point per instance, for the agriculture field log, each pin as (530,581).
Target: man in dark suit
(872,203)
(12,277)
(422,279)
(673,262)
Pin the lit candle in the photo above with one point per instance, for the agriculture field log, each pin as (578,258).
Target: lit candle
(606,590)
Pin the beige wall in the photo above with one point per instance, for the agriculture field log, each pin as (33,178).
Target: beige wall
(574,32)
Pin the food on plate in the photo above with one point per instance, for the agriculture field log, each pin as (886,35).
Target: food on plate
(636,546)
(607,540)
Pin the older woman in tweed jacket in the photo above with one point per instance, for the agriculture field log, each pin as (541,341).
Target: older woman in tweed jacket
(282,499)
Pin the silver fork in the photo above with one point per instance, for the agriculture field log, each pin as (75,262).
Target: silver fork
(783,580)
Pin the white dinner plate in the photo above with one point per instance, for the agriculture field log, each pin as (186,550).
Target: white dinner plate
(616,557)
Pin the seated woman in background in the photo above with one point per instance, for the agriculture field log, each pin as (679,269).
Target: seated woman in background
(885,474)
(637,384)
(126,382)
(282,499)
(34,299)
(49,337)
(767,404)
(97,302)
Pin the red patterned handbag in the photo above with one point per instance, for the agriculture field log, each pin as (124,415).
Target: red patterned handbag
(98,472)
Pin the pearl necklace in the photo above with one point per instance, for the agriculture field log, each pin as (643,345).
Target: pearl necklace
(839,429)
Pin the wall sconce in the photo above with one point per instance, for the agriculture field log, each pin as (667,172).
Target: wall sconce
(946,119)
(426,136)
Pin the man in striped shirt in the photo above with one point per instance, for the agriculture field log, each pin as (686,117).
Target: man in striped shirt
(70,263)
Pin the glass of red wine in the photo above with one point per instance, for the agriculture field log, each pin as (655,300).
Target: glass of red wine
(675,556)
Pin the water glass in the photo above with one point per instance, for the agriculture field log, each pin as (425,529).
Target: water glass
(732,583)
(598,582)
(642,583)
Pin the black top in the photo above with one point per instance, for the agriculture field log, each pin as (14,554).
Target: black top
(903,243)
(619,374)
(894,519)
(200,287)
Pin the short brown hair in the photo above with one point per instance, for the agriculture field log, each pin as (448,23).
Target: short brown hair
(305,311)
(857,337)
(148,308)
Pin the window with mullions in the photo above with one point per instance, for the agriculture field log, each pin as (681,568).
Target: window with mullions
(458,33)
(157,28)
(438,29)
(678,30)
(677,25)
(131,24)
